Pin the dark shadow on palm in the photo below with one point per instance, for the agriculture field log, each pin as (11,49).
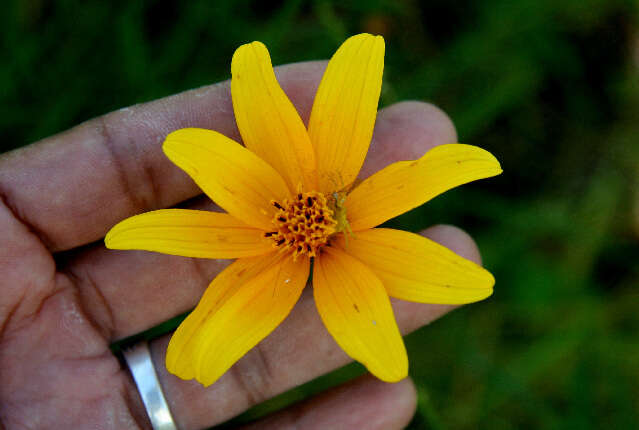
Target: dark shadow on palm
(56,368)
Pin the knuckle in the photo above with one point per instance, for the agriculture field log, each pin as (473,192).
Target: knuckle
(136,177)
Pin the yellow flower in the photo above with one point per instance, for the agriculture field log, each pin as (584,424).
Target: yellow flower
(288,198)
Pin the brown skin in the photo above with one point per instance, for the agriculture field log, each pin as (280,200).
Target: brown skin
(64,298)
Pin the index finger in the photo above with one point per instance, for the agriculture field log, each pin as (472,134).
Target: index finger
(72,187)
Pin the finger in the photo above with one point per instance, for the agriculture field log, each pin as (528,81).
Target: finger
(299,350)
(71,188)
(364,403)
(129,291)
(406,131)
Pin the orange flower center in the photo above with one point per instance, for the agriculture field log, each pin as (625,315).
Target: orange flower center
(302,225)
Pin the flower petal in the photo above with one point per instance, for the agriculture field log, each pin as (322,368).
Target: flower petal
(179,357)
(405,185)
(189,233)
(344,110)
(415,268)
(268,122)
(231,175)
(357,312)
(245,303)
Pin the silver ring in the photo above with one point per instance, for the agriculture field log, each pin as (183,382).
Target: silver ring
(138,357)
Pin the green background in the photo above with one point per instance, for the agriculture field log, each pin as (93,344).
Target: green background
(550,87)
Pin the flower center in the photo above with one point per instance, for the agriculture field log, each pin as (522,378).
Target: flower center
(303,224)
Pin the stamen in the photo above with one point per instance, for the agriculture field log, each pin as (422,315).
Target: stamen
(302,225)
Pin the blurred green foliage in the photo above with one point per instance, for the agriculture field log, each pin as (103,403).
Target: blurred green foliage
(550,87)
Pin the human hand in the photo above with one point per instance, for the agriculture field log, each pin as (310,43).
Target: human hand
(64,298)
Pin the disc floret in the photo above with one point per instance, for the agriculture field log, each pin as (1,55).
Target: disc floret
(302,224)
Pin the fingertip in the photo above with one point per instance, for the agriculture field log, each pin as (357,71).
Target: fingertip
(396,402)
(437,126)
(406,131)
(407,398)
(455,239)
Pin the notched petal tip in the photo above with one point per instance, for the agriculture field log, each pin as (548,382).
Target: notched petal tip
(256,50)
(256,44)
(485,287)
(364,36)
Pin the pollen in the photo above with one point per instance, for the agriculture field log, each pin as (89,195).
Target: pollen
(303,224)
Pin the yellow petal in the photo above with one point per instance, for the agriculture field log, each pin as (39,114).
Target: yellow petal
(405,185)
(234,177)
(357,312)
(189,233)
(415,268)
(344,111)
(179,356)
(268,122)
(245,303)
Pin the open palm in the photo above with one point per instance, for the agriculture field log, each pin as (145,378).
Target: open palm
(64,298)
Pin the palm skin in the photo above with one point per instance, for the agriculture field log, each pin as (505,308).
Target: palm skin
(64,298)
